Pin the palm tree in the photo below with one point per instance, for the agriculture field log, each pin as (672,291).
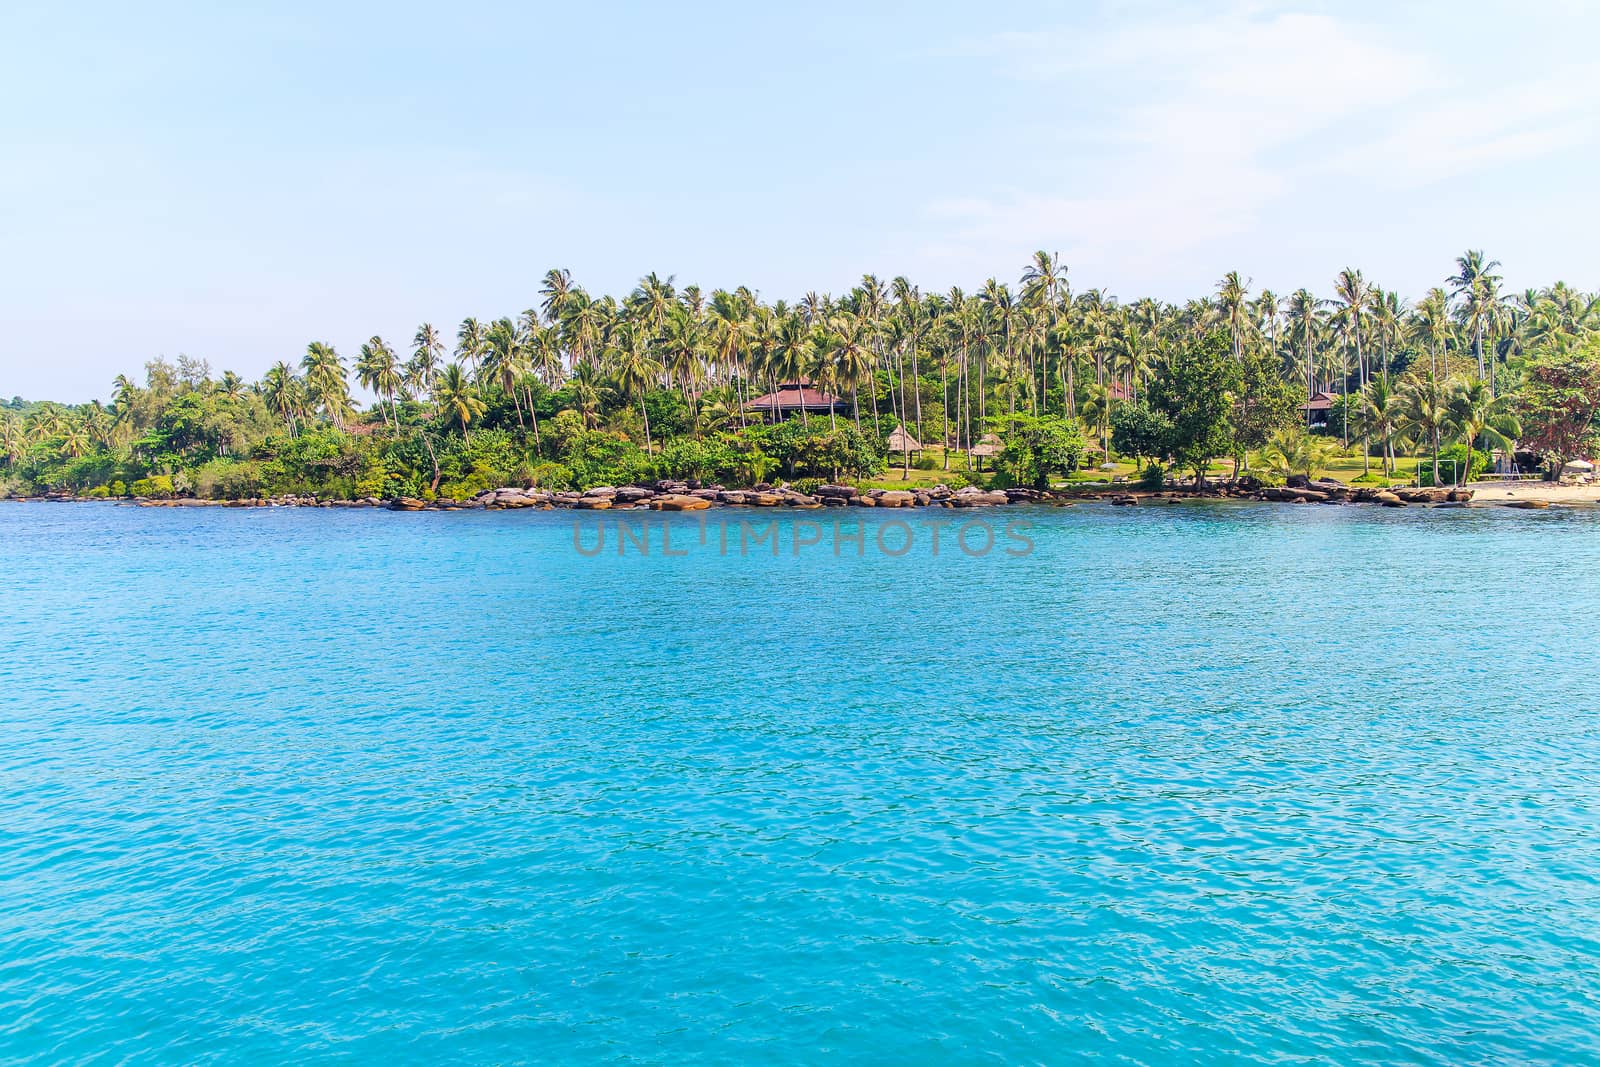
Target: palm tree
(908,306)
(1431,326)
(852,357)
(1379,416)
(1294,451)
(507,363)
(1425,402)
(1476,286)
(470,343)
(791,354)
(378,370)
(458,399)
(1351,290)
(635,369)
(422,369)
(1304,318)
(284,394)
(325,382)
(1231,293)
(13,440)
(1481,416)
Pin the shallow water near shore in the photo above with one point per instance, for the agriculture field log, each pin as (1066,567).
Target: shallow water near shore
(1202,783)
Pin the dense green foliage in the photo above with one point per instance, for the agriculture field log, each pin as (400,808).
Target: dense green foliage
(582,390)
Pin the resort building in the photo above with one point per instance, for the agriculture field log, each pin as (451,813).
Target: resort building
(792,398)
(1316,409)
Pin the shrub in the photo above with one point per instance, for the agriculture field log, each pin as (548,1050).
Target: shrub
(925,462)
(551,476)
(807,485)
(1153,477)
(1449,460)
(224,479)
(157,487)
(99,492)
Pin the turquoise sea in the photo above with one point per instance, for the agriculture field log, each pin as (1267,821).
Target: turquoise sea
(1198,784)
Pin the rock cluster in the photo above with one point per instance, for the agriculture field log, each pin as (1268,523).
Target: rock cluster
(1302,490)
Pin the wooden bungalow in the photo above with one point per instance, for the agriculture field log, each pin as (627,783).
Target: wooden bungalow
(792,398)
(1316,409)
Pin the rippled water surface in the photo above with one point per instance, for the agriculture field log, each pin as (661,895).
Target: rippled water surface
(1204,784)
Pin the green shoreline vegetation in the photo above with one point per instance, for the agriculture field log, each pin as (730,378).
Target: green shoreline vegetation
(1006,386)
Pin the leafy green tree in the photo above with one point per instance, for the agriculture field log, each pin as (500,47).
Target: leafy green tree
(1140,432)
(1196,396)
(1036,448)
(1559,404)
(1265,403)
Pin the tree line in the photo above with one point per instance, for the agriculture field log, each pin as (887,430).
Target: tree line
(660,382)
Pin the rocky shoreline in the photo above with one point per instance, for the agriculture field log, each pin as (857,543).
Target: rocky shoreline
(673,495)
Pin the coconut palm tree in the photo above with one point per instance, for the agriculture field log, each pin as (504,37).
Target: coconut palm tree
(470,343)
(458,399)
(1479,415)
(1426,415)
(791,354)
(1379,415)
(284,394)
(1431,325)
(326,386)
(1295,451)
(852,357)
(378,370)
(1232,292)
(1304,319)
(635,369)
(422,369)
(1476,287)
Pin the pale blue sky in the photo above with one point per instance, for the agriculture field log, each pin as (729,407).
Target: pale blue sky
(233,181)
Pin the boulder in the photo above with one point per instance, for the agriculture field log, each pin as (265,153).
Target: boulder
(843,492)
(406,503)
(1126,500)
(593,503)
(896,498)
(972,497)
(678,502)
(1531,504)
(1388,499)
(632,494)
(600,492)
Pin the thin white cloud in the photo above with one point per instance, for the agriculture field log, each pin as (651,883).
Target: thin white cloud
(1204,123)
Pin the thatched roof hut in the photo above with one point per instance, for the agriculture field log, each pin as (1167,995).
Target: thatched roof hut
(988,445)
(900,441)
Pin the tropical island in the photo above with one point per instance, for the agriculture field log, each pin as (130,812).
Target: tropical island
(886,388)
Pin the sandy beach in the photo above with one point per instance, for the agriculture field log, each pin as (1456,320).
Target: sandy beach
(1501,492)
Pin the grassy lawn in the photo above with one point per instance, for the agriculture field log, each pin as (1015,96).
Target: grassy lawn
(1348,468)
(896,478)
